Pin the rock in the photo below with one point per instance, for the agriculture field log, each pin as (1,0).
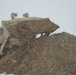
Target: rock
(53,55)
(30,26)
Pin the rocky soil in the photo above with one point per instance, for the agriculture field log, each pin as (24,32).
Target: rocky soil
(47,55)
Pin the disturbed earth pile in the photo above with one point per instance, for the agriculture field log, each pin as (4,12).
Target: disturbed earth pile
(47,55)
(53,55)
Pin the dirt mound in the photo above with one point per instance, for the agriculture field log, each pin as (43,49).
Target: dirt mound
(52,55)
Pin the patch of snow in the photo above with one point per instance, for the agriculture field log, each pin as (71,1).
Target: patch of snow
(38,35)
(6,74)
(43,33)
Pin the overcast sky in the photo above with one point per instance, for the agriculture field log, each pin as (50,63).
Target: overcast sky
(61,12)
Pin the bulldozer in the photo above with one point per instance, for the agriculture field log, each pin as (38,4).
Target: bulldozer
(17,28)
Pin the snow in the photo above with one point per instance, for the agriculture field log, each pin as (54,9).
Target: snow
(6,74)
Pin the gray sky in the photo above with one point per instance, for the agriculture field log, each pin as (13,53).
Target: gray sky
(61,12)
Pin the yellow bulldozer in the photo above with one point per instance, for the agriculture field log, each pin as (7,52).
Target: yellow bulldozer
(26,26)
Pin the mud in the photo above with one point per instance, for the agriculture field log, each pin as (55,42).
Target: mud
(47,55)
